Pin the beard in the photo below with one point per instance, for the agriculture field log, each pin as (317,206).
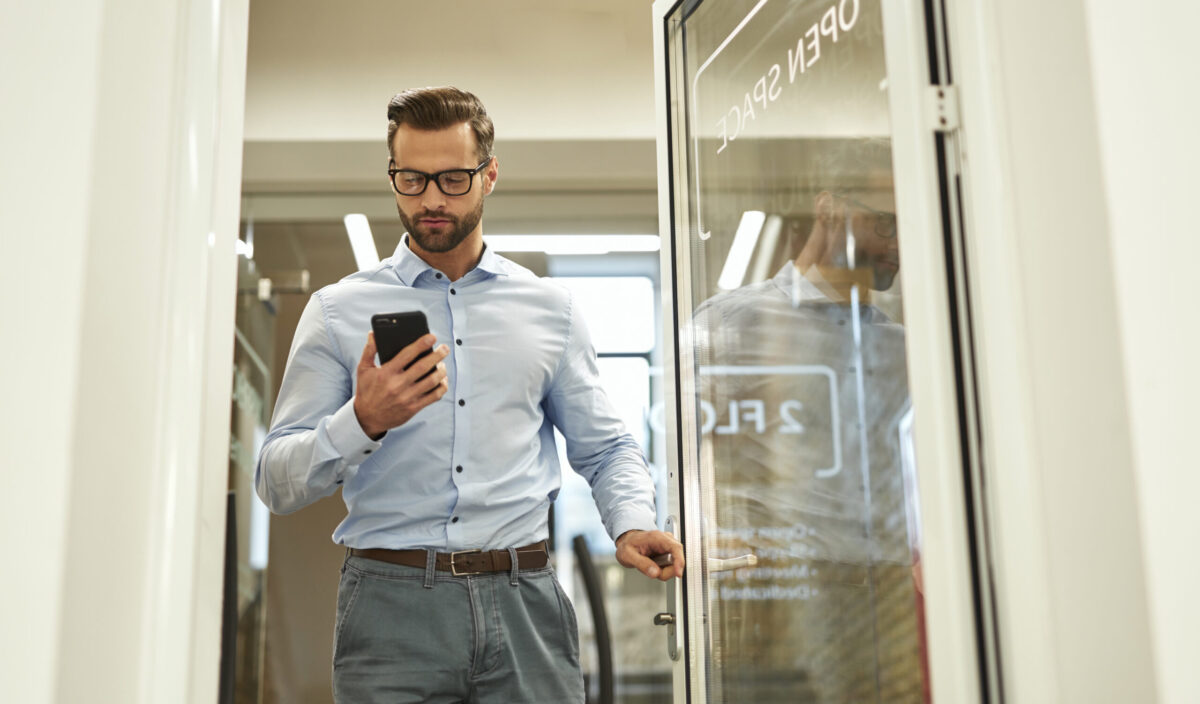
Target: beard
(883,277)
(442,239)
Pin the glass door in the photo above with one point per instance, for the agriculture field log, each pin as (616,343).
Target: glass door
(798,489)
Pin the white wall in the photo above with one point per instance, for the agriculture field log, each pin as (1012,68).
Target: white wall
(1144,69)
(118,167)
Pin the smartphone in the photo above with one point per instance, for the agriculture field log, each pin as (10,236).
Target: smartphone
(395,331)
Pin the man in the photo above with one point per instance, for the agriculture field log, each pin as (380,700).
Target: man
(448,468)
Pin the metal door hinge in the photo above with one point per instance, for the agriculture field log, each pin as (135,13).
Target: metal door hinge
(942,102)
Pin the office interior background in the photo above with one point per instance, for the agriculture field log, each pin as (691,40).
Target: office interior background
(177,180)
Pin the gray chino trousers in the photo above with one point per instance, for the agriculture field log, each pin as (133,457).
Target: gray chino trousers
(406,634)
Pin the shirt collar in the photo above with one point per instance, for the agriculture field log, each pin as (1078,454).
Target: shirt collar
(409,266)
(492,263)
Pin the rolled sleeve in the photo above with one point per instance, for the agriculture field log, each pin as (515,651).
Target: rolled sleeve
(634,518)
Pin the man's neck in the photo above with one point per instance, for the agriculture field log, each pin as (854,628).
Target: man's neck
(815,263)
(836,283)
(457,262)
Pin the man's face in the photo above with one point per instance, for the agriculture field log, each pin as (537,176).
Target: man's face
(435,221)
(872,223)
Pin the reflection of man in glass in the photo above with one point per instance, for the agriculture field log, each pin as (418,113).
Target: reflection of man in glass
(818,491)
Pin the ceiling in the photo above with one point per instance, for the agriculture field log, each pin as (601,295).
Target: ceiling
(569,86)
(321,70)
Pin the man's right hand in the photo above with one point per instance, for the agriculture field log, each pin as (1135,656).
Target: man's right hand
(389,395)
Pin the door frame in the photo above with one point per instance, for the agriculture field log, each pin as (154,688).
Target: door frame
(1067,542)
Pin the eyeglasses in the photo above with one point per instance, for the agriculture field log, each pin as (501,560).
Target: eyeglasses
(452,182)
(885,222)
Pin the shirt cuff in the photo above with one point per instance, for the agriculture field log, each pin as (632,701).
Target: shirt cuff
(630,520)
(347,436)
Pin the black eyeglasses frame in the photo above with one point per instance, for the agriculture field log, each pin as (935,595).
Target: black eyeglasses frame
(436,178)
(885,225)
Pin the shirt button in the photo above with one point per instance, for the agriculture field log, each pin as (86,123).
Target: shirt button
(339,481)
(458,341)
(454,520)
(462,402)
(458,468)
(437,276)
(366,452)
(452,292)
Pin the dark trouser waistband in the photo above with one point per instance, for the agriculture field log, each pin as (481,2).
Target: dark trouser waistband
(463,562)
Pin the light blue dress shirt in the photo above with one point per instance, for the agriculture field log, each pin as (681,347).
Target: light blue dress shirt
(478,468)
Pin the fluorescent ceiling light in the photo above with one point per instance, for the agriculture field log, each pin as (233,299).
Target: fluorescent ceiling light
(242,247)
(748,230)
(573,244)
(361,241)
(768,244)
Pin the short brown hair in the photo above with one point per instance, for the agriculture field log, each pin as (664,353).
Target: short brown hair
(437,109)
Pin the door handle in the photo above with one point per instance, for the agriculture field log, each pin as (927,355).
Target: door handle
(669,617)
(716,564)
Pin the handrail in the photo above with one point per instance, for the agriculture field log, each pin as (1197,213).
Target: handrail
(591,581)
(229,613)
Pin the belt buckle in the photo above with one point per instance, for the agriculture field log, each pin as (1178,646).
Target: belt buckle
(454,568)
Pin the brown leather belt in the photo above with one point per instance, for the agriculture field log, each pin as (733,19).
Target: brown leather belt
(463,562)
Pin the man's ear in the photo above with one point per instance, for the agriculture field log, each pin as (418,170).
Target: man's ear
(490,175)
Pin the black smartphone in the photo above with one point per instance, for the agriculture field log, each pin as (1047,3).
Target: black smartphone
(395,331)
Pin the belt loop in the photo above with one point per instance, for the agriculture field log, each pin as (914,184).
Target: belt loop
(516,566)
(430,567)
(345,559)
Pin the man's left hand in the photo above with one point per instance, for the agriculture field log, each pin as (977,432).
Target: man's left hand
(635,548)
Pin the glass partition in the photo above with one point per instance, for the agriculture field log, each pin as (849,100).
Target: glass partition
(792,346)
(252,397)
